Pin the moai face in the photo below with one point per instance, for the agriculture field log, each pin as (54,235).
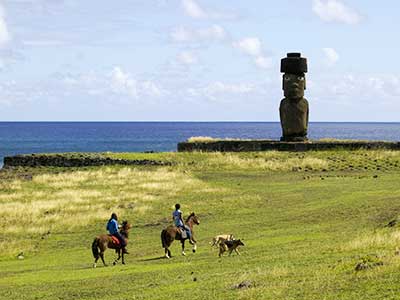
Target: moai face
(294,86)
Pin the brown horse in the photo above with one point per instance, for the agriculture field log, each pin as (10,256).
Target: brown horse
(104,241)
(171,233)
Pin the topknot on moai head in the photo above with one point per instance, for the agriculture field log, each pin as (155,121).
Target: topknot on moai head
(294,64)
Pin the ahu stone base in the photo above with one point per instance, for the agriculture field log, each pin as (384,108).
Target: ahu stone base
(268,145)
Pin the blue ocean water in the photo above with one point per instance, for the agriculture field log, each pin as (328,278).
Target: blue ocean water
(39,137)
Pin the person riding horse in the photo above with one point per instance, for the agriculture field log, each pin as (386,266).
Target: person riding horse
(113,229)
(178,221)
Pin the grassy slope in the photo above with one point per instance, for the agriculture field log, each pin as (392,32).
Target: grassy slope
(306,219)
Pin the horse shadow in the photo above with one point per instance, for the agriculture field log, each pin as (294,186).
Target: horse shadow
(153,258)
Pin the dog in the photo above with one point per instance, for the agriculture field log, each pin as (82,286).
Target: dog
(230,246)
(218,239)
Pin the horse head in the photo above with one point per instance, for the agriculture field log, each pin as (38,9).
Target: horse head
(126,225)
(193,218)
(125,228)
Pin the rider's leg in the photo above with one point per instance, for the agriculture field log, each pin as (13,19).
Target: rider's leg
(189,235)
(122,242)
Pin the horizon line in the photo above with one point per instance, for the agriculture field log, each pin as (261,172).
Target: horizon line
(155,121)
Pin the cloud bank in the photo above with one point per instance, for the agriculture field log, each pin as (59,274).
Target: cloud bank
(335,11)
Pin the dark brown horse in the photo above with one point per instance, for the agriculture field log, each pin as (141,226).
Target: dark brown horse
(104,241)
(171,233)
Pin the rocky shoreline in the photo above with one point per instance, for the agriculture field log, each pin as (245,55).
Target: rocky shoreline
(60,160)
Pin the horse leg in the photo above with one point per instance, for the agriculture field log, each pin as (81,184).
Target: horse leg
(183,247)
(194,248)
(167,252)
(123,259)
(102,258)
(119,256)
(95,262)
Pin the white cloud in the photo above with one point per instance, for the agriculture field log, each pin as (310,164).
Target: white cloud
(335,11)
(249,45)
(220,90)
(43,43)
(5,36)
(123,83)
(187,58)
(331,55)
(356,89)
(192,9)
(183,34)
(263,62)
(252,46)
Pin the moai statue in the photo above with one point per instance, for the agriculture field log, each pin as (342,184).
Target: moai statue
(294,107)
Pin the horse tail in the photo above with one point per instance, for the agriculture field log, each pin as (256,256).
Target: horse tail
(163,238)
(95,248)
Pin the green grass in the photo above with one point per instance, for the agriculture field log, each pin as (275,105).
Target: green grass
(307,220)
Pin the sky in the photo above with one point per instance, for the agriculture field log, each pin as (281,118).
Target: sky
(196,60)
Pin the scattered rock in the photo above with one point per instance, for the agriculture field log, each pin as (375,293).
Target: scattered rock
(60,160)
(243,285)
(392,223)
(368,262)
(361,266)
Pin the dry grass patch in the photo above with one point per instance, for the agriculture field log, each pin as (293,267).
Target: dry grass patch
(270,161)
(208,139)
(380,239)
(201,139)
(67,201)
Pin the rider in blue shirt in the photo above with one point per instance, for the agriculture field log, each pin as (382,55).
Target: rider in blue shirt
(112,227)
(178,221)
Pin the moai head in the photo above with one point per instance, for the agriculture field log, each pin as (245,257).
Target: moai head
(294,82)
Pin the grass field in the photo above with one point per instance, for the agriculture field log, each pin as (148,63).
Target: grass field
(313,224)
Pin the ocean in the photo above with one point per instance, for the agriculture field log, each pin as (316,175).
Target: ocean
(45,137)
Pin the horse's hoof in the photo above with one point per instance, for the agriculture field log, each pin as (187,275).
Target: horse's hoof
(167,256)
(123,262)
(94,265)
(183,253)
(194,250)
(114,263)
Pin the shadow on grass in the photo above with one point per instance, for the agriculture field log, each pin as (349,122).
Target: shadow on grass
(153,259)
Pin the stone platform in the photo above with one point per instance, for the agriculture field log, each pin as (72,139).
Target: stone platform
(268,145)
(75,160)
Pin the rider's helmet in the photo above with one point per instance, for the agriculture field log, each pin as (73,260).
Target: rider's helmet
(177,206)
(114,216)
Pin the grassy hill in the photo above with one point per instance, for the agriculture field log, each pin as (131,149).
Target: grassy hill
(314,226)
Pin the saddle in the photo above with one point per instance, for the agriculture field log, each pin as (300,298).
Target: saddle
(114,240)
(183,232)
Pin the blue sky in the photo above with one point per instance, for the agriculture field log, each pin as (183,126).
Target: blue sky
(195,60)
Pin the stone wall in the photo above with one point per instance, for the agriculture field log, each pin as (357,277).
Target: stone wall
(266,145)
(39,160)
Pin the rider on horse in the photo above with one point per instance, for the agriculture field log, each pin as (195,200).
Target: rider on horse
(112,227)
(178,221)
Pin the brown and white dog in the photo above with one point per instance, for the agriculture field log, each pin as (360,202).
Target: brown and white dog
(218,239)
(230,246)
